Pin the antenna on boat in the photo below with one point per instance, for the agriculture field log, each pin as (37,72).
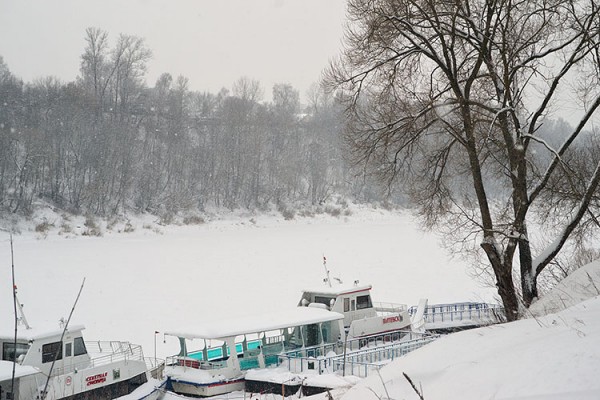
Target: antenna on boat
(66,325)
(327,279)
(21,314)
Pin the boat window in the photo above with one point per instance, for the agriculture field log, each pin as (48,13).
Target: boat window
(353,306)
(68,348)
(9,353)
(79,347)
(363,302)
(346,304)
(311,335)
(51,352)
(324,300)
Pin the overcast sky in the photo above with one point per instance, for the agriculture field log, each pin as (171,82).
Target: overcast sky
(212,42)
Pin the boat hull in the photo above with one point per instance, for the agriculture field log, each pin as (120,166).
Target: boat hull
(205,389)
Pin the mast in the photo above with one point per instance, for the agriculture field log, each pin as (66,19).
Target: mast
(12,264)
(44,393)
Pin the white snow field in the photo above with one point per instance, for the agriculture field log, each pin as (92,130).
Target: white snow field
(141,282)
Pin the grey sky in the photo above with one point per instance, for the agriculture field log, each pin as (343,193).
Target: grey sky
(212,42)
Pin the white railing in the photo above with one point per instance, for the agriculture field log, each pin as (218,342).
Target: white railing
(188,362)
(389,307)
(102,353)
(356,362)
(155,366)
(478,313)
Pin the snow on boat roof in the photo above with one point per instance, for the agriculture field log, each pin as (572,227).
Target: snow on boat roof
(296,316)
(338,290)
(6,368)
(36,333)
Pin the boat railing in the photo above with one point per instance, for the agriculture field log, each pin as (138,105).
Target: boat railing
(102,353)
(357,362)
(189,362)
(155,366)
(447,313)
(390,307)
(354,344)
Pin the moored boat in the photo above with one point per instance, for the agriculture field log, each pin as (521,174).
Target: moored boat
(227,349)
(71,368)
(362,317)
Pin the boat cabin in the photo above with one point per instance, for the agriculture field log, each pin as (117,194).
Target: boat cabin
(353,302)
(40,348)
(100,369)
(361,316)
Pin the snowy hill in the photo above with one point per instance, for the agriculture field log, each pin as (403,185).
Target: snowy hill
(575,288)
(551,357)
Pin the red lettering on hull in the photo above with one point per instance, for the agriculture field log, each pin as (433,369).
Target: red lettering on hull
(96,379)
(389,320)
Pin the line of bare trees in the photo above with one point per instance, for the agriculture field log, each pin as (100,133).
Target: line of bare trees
(107,143)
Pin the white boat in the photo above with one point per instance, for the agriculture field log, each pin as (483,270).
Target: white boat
(225,350)
(362,317)
(50,368)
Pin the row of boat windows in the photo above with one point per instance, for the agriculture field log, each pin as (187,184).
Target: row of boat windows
(360,303)
(53,351)
(12,351)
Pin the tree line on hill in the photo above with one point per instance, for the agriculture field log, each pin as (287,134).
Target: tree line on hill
(106,143)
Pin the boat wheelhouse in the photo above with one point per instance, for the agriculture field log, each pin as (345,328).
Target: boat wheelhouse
(69,368)
(361,316)
(225,350)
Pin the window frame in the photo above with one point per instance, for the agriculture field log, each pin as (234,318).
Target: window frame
(363,302)
(52,351)
(79,348)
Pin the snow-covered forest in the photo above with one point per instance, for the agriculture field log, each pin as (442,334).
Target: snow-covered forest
(107,143)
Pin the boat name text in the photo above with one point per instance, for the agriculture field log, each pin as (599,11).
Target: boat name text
(95,379)
(389,320)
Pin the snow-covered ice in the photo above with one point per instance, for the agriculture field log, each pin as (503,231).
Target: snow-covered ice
(142,282)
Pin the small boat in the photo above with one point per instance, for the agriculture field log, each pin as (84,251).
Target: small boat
(49,368)
(362,317)
(227,349)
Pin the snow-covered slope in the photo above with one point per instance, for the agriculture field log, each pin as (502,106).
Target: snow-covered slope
(580,285)
(551,357)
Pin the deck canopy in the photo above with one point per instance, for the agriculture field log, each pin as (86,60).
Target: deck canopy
(221,329)
(6,368)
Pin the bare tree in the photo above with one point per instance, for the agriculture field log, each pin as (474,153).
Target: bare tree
(449,97)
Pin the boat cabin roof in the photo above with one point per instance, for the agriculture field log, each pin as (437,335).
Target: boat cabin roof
(6,368)
(338,290)
(293,317)
(36,333)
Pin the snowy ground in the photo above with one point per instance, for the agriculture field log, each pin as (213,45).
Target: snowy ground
(551,357)
(162,278)
(157,279)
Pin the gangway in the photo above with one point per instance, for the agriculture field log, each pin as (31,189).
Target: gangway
(444,318)
(361,355)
